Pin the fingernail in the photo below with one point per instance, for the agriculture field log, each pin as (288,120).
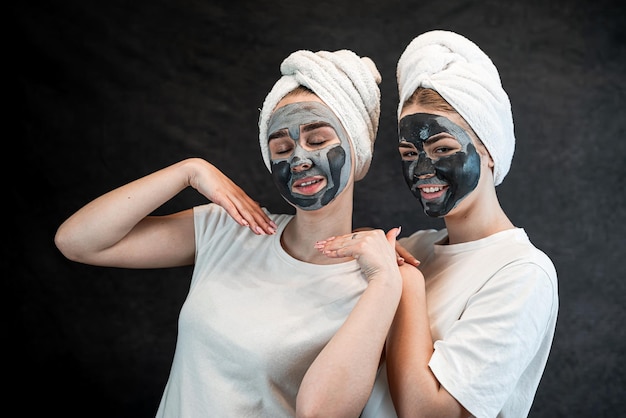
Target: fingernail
(399,230)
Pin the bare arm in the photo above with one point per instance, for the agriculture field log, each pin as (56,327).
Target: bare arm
(340,380)
(415,390)
(116,229)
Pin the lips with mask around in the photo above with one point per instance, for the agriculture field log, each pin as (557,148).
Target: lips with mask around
(428,192)
(308,185)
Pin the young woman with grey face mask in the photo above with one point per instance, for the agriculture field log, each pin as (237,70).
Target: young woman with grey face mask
(270,327)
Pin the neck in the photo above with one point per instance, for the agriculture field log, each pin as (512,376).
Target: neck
(308,227)
(476,219)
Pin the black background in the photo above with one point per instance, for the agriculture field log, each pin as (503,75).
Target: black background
(110,91)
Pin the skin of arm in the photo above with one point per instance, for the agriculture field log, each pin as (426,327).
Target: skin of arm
(340,380)
(117,230)
(415,390)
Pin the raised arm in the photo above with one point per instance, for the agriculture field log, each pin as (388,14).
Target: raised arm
(117,230)
(340,380)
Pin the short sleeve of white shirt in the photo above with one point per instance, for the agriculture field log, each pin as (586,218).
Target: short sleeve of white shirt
(493,305)
(484,354)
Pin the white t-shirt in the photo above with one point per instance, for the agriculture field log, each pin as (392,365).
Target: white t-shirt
(493,307)
(253,322)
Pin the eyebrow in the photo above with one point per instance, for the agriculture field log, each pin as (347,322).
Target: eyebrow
(315,125)
(279,134)
(305,128)
(437,137)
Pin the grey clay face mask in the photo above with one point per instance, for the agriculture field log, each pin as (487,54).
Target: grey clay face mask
(333,162)
(439,177)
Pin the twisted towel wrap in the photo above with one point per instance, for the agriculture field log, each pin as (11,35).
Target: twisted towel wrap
(346,83)
(467,78)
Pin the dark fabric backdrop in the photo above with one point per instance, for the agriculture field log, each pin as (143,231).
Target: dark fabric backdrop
(110,91)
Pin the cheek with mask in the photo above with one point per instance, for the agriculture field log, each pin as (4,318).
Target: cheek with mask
(440,173)
(310,177)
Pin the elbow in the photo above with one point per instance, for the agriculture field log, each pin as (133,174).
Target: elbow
(319,413)
(66,245)
(302,412)
(324,409)
(308,408)
(61,241)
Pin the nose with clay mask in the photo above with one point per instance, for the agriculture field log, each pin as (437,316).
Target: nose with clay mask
(299,162)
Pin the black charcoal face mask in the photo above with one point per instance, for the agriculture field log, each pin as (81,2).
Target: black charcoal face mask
(439,161)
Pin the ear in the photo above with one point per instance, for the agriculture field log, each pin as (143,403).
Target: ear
(490,162)
(484,153)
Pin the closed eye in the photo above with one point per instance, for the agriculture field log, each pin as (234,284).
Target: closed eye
(319,135)
(316,141)
(280,145)
(282,150)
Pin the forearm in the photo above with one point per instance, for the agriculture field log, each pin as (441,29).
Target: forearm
(108,219)
(415,390)
(341,378)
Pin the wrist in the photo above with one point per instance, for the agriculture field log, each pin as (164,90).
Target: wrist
(191,167)
(386,282)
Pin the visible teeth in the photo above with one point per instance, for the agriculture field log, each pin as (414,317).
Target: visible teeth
(307,183)
(431,189)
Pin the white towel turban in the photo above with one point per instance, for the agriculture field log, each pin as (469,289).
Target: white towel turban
(466,77)
(346,83)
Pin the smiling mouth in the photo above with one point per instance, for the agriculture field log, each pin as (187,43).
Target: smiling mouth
(309,185)
(432,192)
